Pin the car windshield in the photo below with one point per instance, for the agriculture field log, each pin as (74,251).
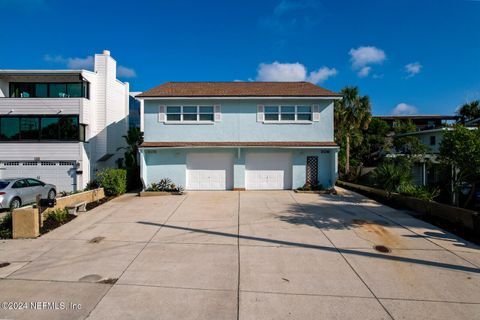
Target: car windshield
(4,184)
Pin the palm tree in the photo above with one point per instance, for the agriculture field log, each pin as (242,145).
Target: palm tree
(133,138)
(469,111)
(352,114)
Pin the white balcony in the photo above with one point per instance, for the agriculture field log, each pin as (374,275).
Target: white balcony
(47,106)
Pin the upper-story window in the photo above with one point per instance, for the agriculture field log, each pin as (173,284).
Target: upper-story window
(288,113)
(190,113)
(49,90)
(43,128)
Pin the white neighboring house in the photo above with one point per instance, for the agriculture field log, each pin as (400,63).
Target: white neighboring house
(432,138)
(61,126)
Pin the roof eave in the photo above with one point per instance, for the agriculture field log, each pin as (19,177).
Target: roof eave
(332,97)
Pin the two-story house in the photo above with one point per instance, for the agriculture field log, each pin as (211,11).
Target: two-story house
(61,126)
(238,135)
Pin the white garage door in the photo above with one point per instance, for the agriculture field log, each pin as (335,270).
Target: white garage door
(268,171)
(209,171)
(60,173)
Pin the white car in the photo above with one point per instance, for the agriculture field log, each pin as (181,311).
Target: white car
(16,192)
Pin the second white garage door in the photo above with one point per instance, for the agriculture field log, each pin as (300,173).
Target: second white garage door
(268,171)
(209,171)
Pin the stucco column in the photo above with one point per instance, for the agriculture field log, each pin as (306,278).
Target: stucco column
(334,166)
(239,170)
(143,169)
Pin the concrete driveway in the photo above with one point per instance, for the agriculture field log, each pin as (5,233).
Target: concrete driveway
(241,255)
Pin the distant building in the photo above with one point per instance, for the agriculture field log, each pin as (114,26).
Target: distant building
(422,122)
(427,175)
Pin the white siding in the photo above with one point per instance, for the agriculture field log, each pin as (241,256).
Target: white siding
(105,114)
(46,151)
(50,106)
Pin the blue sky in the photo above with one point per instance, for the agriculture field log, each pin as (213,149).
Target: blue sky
(419,56)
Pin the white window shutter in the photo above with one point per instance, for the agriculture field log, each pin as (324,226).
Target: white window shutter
(218,113)
(260,113)
(316,112)
(161,114)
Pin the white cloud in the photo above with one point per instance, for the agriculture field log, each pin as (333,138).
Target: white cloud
(363,56)
(404,109)
(277,71)
(124,72)
(321,74)
(71,63)
(281,72)
(87,63)
(55,59)
(364,72)
(413,68)
(80,63)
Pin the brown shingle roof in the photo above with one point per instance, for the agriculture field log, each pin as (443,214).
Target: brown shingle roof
(171,144)
(238,89)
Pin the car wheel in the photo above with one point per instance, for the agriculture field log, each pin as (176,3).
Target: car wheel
(15,203)
(52,194)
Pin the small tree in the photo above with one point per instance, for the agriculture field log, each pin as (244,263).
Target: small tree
(460,149)
(469,111)
(392,175)
(133,138)
(352,114)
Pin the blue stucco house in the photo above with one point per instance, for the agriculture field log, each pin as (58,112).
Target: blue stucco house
(238,135)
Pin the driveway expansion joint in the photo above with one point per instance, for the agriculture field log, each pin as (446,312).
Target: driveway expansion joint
(344,258)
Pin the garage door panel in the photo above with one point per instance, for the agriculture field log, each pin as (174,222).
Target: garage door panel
(60,173)
(209,171)
(268,171)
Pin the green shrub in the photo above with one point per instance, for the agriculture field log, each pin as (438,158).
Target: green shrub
(419,192)
(113,181)
(391,176)
(166,185)
(6,226)
(58,215)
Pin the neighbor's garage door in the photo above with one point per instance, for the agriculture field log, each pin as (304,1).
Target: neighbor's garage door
(209,171)
(60,173)
(268,171)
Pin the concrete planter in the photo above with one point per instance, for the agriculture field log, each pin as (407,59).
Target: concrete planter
(466,218)
(26,221)
(86,196)
(159,193)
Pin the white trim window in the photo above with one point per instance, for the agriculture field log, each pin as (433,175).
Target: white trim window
(203,114)
(288,113)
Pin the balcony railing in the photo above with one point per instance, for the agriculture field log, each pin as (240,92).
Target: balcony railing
(47,106)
